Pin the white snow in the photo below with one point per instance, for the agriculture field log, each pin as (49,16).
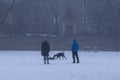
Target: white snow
(28,65)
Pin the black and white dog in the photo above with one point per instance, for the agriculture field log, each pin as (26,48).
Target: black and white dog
(59,55)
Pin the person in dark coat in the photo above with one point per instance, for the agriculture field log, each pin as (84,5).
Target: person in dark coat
(45,49)
(75,48)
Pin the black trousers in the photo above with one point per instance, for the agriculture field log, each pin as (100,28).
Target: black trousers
(46,60)
(75,57)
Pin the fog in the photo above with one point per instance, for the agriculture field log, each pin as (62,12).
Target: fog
(24,24)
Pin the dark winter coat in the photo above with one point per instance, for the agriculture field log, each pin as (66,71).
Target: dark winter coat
(45,48)
(75,46)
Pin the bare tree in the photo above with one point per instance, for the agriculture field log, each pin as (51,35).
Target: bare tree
(9,9)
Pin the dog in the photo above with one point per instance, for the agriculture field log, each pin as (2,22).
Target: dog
(59,55)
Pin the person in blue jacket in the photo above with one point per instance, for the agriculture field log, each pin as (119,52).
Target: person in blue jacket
(75,48)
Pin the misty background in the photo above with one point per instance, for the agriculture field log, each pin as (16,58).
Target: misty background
(95,24)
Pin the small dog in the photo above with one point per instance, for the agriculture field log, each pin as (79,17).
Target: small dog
(59,55)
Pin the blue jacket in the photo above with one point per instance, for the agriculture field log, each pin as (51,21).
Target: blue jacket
(75,46)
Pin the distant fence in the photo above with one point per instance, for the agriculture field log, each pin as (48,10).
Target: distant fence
(34,43)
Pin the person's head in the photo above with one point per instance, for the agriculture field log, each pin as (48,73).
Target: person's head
(45,40)
(74,40)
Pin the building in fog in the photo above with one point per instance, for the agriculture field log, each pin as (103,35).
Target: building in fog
(59,17)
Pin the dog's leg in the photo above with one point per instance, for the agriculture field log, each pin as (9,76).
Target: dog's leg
(62,57)
(54,57)
(59,58)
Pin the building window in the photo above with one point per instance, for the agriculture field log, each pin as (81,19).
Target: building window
(83,20)
(100,21)
(83,6)
(99,6)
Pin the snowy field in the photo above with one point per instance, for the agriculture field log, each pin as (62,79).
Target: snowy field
(28,65)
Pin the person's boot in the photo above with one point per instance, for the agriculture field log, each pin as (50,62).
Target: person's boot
(44,62)
(48,62)
(73,62)
(77,61)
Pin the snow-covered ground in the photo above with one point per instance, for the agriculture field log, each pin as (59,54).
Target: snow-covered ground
(28,65)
